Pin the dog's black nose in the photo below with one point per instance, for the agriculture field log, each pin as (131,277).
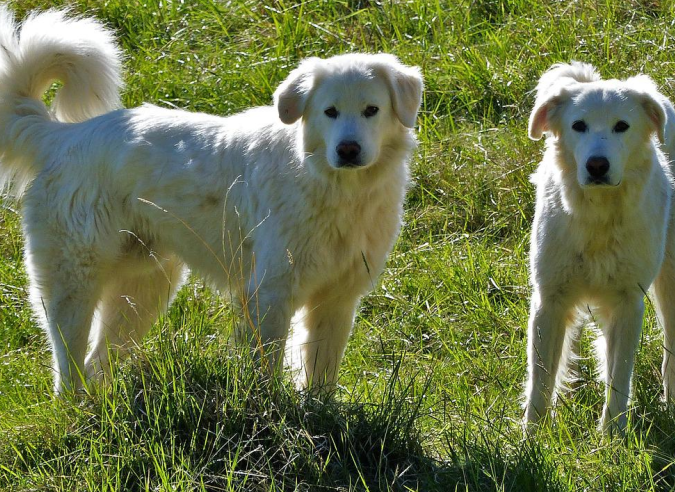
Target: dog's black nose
(348,151)
(597,166)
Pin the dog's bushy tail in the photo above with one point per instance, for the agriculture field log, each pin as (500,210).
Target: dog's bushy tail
(47,47)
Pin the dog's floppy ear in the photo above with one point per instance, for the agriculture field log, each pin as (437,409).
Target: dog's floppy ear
(405,85)
(552,93)
(291,96)
(657,115)
(651,100)
(544,112)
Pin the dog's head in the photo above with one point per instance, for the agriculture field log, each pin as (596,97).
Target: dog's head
(350,105)
(603,125)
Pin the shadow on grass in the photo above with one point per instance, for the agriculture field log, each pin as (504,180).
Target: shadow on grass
(212,424)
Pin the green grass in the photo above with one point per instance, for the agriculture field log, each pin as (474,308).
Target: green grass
(430,395)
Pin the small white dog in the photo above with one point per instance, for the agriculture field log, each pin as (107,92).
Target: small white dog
(291,208)
(603,229)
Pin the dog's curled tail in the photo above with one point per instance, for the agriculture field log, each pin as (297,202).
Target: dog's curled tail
(79,52)
(47,47)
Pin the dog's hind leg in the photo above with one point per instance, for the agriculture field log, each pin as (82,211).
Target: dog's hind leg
(545,341)
(64,293)
(621,329)
(569,368)
(130,303)
(664,297)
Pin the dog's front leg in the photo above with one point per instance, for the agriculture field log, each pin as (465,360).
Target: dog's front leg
(266,312)
(546,336)
(622,335)
(327,325)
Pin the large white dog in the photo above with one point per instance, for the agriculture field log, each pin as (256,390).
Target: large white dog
(292,208)
(603,229)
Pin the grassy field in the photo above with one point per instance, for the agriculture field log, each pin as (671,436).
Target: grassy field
(430,394)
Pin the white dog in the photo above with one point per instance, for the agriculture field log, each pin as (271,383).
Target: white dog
(601,233)
(291,208)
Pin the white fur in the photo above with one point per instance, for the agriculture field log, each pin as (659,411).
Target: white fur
(598,243)
(258,203)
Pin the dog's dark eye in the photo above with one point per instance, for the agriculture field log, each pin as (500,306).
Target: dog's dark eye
(331,112)
(579,126)
(370,111)
(621,127)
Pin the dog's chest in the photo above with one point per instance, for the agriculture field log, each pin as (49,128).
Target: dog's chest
(352,239)
(354,234)
(619,254)
(600,258)
(606,242)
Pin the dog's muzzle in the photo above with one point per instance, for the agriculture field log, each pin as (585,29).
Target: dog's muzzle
(597,168)
(349,152)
